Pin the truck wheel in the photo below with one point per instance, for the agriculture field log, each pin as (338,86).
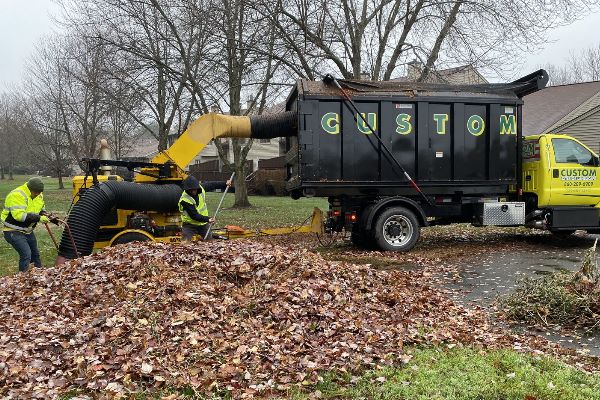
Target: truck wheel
(397,229)
(130,237)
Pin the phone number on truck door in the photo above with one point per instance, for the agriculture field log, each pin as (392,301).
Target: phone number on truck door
(578,183)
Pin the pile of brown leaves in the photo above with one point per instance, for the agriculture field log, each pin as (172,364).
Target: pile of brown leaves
(242,316)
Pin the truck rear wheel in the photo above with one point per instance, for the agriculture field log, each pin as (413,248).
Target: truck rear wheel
(397,229)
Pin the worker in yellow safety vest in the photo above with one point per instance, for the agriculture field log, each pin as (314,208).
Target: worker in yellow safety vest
(23,209)
(193,209)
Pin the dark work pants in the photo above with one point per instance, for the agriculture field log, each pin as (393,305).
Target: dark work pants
(26,246)
(187,231)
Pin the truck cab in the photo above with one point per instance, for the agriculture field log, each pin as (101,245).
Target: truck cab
(560,183)
(559,170)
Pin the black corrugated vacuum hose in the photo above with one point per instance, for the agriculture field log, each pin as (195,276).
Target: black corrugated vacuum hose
(269,126)
(87,214)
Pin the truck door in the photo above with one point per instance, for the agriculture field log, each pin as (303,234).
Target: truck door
(574,170)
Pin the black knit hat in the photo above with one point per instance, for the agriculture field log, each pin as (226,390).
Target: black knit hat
(191,183)
(35,185)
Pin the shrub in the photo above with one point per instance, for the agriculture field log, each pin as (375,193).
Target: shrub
(569,299)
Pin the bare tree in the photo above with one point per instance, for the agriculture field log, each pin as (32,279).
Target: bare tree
(147,56)
(208,61)
(449,22)
(238,54)
(357,36)
(122,129)
(67,72)
(5,146)
(12,126)
(583,66)
(244,68)
(47,142)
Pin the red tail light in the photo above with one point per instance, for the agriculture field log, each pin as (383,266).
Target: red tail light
(351,217)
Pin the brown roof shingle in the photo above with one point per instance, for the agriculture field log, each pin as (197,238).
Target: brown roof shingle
(544,108)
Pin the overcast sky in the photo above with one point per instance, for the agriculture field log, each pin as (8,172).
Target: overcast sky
(24,22)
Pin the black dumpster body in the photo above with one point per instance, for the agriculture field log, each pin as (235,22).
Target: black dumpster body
(460,144)
(448,140)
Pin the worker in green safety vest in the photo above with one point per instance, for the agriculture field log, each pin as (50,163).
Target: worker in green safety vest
(23,209)
(193,209)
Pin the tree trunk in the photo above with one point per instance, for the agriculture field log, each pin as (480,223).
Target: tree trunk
(163,142)
(239,165)
(2,177)
(435,52)
(241,189)
(61,185)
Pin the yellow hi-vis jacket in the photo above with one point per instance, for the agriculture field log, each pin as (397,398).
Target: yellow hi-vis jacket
(21,212)
(200,207)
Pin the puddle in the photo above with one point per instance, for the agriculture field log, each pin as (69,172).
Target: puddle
(543,272)
(562,259)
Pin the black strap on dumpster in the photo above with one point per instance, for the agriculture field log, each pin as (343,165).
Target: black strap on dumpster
(355,112)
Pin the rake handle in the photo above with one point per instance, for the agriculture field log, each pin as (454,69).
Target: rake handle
(219,206)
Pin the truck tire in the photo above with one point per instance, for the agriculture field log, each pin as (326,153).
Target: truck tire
(130,237)
(396,229)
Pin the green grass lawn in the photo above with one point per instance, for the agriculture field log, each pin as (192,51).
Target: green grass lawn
(267,212)
(434,373)
(439,373)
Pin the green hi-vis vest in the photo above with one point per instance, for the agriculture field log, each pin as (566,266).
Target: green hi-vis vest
(200,207)
(17,205)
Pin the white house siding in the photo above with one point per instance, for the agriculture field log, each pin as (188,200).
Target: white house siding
(258,151)
(586,129)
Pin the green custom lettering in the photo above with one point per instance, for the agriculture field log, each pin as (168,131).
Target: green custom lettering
(475,125)
(331,123)
(508,125)
(371,119)
(404,125)
(440,122)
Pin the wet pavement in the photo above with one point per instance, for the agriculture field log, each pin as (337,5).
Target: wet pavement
(480,280)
